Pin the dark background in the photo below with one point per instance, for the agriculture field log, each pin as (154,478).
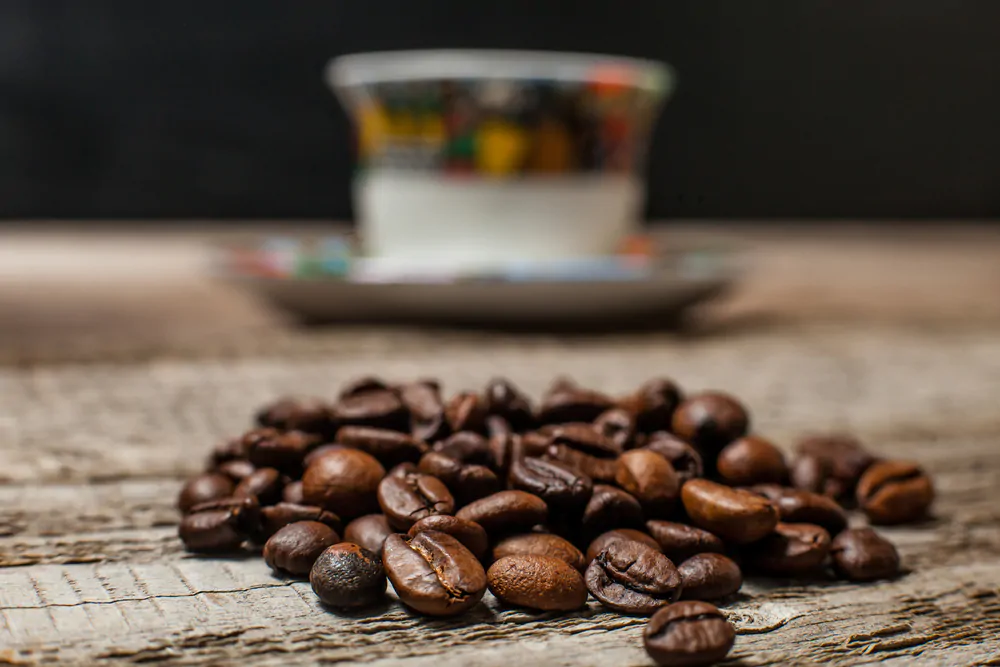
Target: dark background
(823,108)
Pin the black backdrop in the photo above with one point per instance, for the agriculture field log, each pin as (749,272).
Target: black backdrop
(828,108)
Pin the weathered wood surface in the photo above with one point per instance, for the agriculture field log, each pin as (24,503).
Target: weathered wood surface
(91,455)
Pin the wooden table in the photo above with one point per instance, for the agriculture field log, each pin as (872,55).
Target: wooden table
(110,394)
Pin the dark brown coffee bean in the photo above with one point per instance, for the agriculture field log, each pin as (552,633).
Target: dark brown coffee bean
(403,470)
(618,427)
(469,533)
(379,408)
(893,492)
(709,422)
(833,465)
(532,443)
(310,415)
(276,517)
(423,402)
(604,539)
(227,450)
(610,507)
(205,487)
(212,531)
(688,634)
(566,402)
(680,542)
(363,385)
(369,531)
(390,447)
(631,578)
(320,451)
(293,549)
(236,470)
(683,457)
(506,512)
(466,482)
(466,412)
(540,544)
(537,582)
(292,493)
(792,549)
(736,515)
(795,506)
(265,483)
(246,506)
(348,576)
(809,472)
(505,400)
(751,460)
(433,573)
(709,576)
(344,481)
(467,447)
(598,469)
(582,437)
(651,479)
(405,499)
(561,487)
(653,405)
(861,554)
(284,451)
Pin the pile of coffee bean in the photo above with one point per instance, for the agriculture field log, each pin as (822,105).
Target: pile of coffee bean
(653,503)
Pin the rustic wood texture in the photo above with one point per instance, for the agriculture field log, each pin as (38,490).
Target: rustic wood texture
(93,447)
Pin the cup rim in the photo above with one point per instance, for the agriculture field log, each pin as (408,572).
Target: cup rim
(359,69)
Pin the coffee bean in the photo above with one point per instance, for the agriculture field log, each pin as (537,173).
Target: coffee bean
(561,487)
(403,470)
(205,487)
(433,573)
(321,451)
(378,408)
(892,492)
(405,499)
(466,412)
(735,515)
(506,512)
(538,582)
(502,447)
(346,575)
(532,443)
(792,549)
(840,460)
(709,422)
(426,409)
(751,460)
(265,483)
(631,578)
(295,547)
(598,469)
(236,470)
(343,481)
(505,400)
(650,478)
(369,531)
(795,506)
(680,542)
(467,447)
(540,544)
(610,507)
(618,427)
(688,634)
(363,385)
(292,493)
(653,405)
(310,415)
(227,450)
(276,517)
(566,402)
(861,554)
(284,451)
(389,447)
(683,457)
(709,576)
(582,437)
(809,472)
(604,539)
(469,533)
(212,531)
(466,482)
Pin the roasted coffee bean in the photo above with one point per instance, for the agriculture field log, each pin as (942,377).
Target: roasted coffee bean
(653,405)
(618,427)
(610,507)
(466,412)
(651,479)
(469,533)
(284,451)
(709,422)
(532,443)
(892,492)
(405,499)
(378,408)
(688,634)
(680,542)
(861,554)
(809,472)
(212,531)
(561,487)
(709,576)
(582,437)
(310,415)
(433,573)
(566,402)
(466,482)
(205,487)
(389,447)
(265,483)
(348,576)
(502,451)
(369,531)
(344,481)
(505,400)
(736,515)
(683,457)
(423,402)
(236,470)
(363,385)
(467,447)
(321,451)
(604,539)
(540,544)
(631,578)
(276,517)
(292,493)
(792,549)
(227,450)
(506,512)
(795,506)
(537,582)
(598,469)
(751,460)
(404,470)
(834,464)
(294,548)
